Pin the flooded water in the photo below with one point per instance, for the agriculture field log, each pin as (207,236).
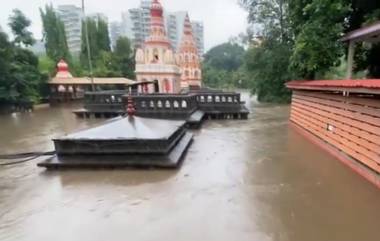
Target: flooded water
(241,180)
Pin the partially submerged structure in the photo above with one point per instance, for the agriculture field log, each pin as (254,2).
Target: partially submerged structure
(159,67)
(159,63)
(343,116)
(155,61)
(191,106)
(123,142)
(64,87)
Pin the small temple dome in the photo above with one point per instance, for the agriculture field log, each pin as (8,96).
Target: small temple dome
(62,65)
(139,56)
(63,70)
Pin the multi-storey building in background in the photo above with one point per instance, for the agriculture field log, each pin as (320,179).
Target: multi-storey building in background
(198,33)
(71,16)
(136,23)
(96,16)
(116,31)
(174,26)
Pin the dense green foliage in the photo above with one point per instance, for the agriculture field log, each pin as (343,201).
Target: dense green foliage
(222,66)
(268,60)
(316,48)
(268,70)
(106,63)
(54,35)
(19,25)
(23,75)
(124,58)
(20,78)
(299,39)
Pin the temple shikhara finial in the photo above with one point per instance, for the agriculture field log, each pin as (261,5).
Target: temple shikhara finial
(63,70)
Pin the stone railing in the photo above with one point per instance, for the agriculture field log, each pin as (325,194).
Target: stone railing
(219,101)
(166,105)
(107,101)
(163,105)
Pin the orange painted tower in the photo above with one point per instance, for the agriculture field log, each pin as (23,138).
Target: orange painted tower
(155,61)
(188,58)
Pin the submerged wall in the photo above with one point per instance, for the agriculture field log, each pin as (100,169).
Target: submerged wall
(349,124)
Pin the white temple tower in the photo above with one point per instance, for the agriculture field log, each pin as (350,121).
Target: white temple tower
(155,61)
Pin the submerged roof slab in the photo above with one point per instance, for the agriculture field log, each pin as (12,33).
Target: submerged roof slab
(136,128)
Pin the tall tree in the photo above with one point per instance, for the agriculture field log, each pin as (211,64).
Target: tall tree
(270,15)
(124,57)
(54,35)
(227,56)
(19,24)
(25,75)
(20,78)
(222,64)
(92,31)
(317,48)
(104,42)
(267,61)
(5,66)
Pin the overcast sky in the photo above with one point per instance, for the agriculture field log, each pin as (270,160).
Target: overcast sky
(222,18)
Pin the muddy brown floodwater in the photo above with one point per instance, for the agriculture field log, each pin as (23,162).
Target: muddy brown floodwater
(254,180)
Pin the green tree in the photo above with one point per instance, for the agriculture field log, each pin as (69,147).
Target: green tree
(92,31)
(46,65)
(54,35)
(124,58)
(19,24)
(267,61)
(5,67)
(222,64)
(227,56)
(317,48)
(25,75)
(267,66)
(103,39)
(271,15)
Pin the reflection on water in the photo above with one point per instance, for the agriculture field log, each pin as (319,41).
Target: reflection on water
(242,180)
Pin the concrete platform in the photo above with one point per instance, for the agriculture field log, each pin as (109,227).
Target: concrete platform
(171,160)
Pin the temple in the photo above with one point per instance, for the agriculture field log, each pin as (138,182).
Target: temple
(159,67)
(65,87)
(158,63)
(188,59)
(156,60)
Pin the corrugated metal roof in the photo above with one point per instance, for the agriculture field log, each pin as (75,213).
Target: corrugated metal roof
(346,84)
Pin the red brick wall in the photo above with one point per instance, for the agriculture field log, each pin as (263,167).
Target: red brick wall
(350,124)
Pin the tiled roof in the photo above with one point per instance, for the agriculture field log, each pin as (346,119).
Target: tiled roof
(344,84)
